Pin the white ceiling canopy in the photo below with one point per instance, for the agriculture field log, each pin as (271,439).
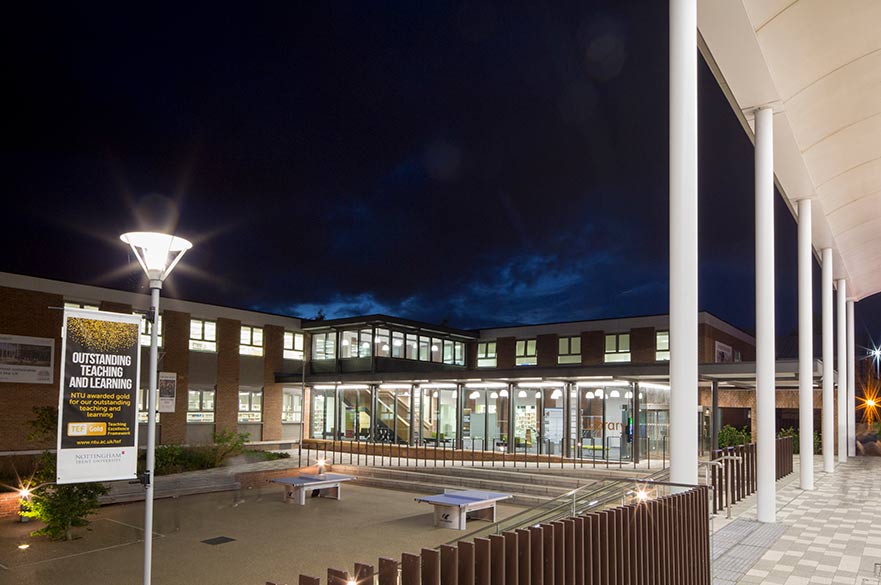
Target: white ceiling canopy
(818,63)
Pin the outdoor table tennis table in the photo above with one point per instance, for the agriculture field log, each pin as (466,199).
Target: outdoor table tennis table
(327,484)
(452,507)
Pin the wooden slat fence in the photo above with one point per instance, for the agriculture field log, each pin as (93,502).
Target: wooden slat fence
(737,478)
(664,540)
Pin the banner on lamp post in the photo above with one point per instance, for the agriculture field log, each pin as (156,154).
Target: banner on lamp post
(167,391)
(98,406)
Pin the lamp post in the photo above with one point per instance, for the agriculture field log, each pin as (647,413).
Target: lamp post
(157,254)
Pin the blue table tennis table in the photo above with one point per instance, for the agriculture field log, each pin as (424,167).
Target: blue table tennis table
(327,484)
(452,507)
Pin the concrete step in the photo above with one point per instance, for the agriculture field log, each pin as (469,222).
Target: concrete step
(500,483)
(180,484)
(531,476)
(437,487)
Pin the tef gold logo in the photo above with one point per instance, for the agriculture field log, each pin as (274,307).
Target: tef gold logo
(86,429)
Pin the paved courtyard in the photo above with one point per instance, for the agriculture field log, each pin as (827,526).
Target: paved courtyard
(273,541)
(824,536)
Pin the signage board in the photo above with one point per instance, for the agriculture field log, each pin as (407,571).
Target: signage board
(98,407)
(27,360)
(167,391)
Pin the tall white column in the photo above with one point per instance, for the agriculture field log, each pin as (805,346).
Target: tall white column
(851,386)
(805,349)
(683,242)
(841,293)
(765,342)
(828,420)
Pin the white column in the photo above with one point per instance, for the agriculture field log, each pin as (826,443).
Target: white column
(851,386)
(805,349)
(765,343)
(683,242)
(841,285)
(828,421)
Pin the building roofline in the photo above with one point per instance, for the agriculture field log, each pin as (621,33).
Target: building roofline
(314,325)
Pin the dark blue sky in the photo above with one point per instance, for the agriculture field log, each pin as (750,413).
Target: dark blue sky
(479,163)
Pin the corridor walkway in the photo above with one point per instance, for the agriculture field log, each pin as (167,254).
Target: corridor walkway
(829,535)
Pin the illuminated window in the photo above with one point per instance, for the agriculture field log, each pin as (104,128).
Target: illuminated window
(382,343)
(200,406)
(424,348)
(323,346)
(292,406)
(569,350)
(617,348)
(250,406)
(147,331)
(293,345)
(486,354)
(524,353)
(251,341)
(436,350)
(662,346)
(203,335)
(412,346)
(142,406)
(448,351)
(459,353)
(85,306)
(397,344)
(356,344)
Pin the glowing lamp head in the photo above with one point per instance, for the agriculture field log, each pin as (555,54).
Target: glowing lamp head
(870,402)
(157,253)
(24,493)
(642,495)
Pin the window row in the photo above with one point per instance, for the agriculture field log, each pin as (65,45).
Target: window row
(616,349)
(201,406)
(369,342)
(203,337)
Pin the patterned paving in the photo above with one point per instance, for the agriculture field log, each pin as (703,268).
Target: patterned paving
(829,535)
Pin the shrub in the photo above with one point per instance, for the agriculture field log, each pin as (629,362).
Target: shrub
(792,432)
(730,436)
(60,507)
(228,444)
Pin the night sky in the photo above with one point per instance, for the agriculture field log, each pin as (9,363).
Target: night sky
(472,163)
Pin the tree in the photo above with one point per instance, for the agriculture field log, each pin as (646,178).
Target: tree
(59,507)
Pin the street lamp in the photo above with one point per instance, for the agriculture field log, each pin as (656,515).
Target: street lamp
(157,254)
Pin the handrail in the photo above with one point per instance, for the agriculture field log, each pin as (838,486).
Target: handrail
(572,503)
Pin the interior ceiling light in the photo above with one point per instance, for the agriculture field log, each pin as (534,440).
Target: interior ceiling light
(494,395)
(615,394)
(549,384)
(486,385)
(521,394)
(538,395)
(503,393)
(474,395)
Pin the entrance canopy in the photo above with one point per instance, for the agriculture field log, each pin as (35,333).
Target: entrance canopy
(818,63)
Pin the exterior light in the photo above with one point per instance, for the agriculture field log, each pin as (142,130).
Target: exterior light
(24,493)
(157,254)
(642,495)
(870,402)
(321,463)
(24,546)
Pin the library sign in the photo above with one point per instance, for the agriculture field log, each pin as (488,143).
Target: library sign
(98,408)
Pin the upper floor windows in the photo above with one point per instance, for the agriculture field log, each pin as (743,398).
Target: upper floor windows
(617,348)
(569,350)
(524,353)
(292,406)
(293,345)
(203,335)
(662,346)
(323,346)
(250,406)
(356,344)
(147,331)
(486,354)
(251,341)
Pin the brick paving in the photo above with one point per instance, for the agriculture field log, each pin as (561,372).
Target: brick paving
(824,536)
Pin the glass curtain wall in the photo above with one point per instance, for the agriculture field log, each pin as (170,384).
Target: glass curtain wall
(323,416)
(357,413)
(439,406)
(552,420)
(654,420)
(527,404)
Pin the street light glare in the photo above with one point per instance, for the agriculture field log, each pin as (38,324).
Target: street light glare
(153,250)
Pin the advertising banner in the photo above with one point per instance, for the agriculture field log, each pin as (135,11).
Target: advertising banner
(167,391)
(27,360)
(98,407)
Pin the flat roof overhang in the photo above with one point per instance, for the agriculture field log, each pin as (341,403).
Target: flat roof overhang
(728,375)
(388,322)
